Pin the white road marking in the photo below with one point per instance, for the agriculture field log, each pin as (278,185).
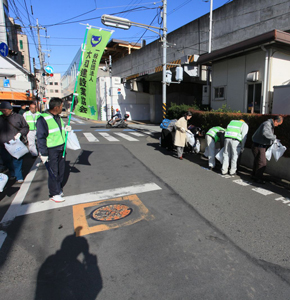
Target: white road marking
(90,137)
(262,191)
(284,200)
(77,120)
(126,137)
(242,182)
(108,137)
(136,133)
(86,198)
(12,211)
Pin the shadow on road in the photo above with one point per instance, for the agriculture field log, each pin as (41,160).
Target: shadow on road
(71,273)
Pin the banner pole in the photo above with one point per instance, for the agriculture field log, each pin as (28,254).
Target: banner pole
(74,93)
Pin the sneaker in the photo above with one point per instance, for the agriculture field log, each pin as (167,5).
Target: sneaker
(57,198)
(234,174)
(181,157)
(20,181)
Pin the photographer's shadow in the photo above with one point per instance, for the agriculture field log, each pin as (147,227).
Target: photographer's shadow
(71,273)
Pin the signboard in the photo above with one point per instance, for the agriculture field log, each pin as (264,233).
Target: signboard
(3,49)
(49,69)
(44,100)
(86,81)
(6,83)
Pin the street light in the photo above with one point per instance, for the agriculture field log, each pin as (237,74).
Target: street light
(126,24)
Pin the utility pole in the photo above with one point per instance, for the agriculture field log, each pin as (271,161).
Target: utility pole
(164,46)
(41,60)
(111,84)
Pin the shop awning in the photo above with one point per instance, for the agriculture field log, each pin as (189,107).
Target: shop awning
(15,96)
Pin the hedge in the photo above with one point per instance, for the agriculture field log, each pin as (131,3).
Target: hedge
(206,120)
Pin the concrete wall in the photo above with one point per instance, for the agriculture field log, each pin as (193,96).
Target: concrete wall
(234,22)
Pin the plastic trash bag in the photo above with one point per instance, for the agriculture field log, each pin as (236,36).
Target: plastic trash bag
(219,155)
(269,153)
(196,147)
(277,150)
(16,148)
(3,181)
(190,138)
(72,141)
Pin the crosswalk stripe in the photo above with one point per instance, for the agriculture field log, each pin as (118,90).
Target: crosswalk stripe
(77,120)
(126,137)
(90,137)
(136,133)
(108,137)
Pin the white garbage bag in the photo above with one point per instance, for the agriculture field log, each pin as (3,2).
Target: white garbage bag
(219,155)
(3,181)
(277,150)
(190,138)
(72,141)
(196,147)
(16,148)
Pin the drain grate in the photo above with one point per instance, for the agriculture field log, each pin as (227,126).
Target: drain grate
(112,212)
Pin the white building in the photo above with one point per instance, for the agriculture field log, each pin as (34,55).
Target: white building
(244,74)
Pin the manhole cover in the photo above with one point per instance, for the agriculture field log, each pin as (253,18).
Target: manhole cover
(113,212)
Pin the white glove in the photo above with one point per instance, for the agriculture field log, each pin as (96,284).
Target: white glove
(17,136)
(44,159)
(67,128)
(182,129)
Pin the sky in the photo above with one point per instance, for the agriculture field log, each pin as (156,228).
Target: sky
(62,21)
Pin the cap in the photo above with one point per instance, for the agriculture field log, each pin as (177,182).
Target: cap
(5,105)
(117,109)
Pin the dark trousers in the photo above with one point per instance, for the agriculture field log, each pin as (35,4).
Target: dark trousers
(57,165)
(260,161)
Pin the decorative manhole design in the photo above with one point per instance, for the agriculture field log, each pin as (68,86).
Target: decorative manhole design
(112,212)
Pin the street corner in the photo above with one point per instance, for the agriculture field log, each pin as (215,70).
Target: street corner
(109,214)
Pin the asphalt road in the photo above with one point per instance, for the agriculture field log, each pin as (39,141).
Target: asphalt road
(191,233)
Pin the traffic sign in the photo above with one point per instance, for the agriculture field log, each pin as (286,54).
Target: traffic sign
(6,82)
(49,69)
(44,99)
(4,49)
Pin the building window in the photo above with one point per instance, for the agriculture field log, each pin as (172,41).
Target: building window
(56,91)
(51,91)
(254,98)
(51,83)
(219,93)
(56,83)
(21,44)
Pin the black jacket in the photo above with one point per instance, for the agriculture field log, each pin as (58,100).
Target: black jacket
(7,131)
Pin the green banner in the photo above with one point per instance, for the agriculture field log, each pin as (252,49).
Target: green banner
(86,81)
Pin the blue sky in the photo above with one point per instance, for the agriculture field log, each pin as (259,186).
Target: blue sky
(62,19)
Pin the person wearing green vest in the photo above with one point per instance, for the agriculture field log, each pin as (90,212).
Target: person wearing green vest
(50,132)
(235,139)
(211,137)
(31,117)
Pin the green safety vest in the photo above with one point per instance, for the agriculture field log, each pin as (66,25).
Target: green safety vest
(30,119)
(55,136)
(234,130)
(213,132)
(1,113)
